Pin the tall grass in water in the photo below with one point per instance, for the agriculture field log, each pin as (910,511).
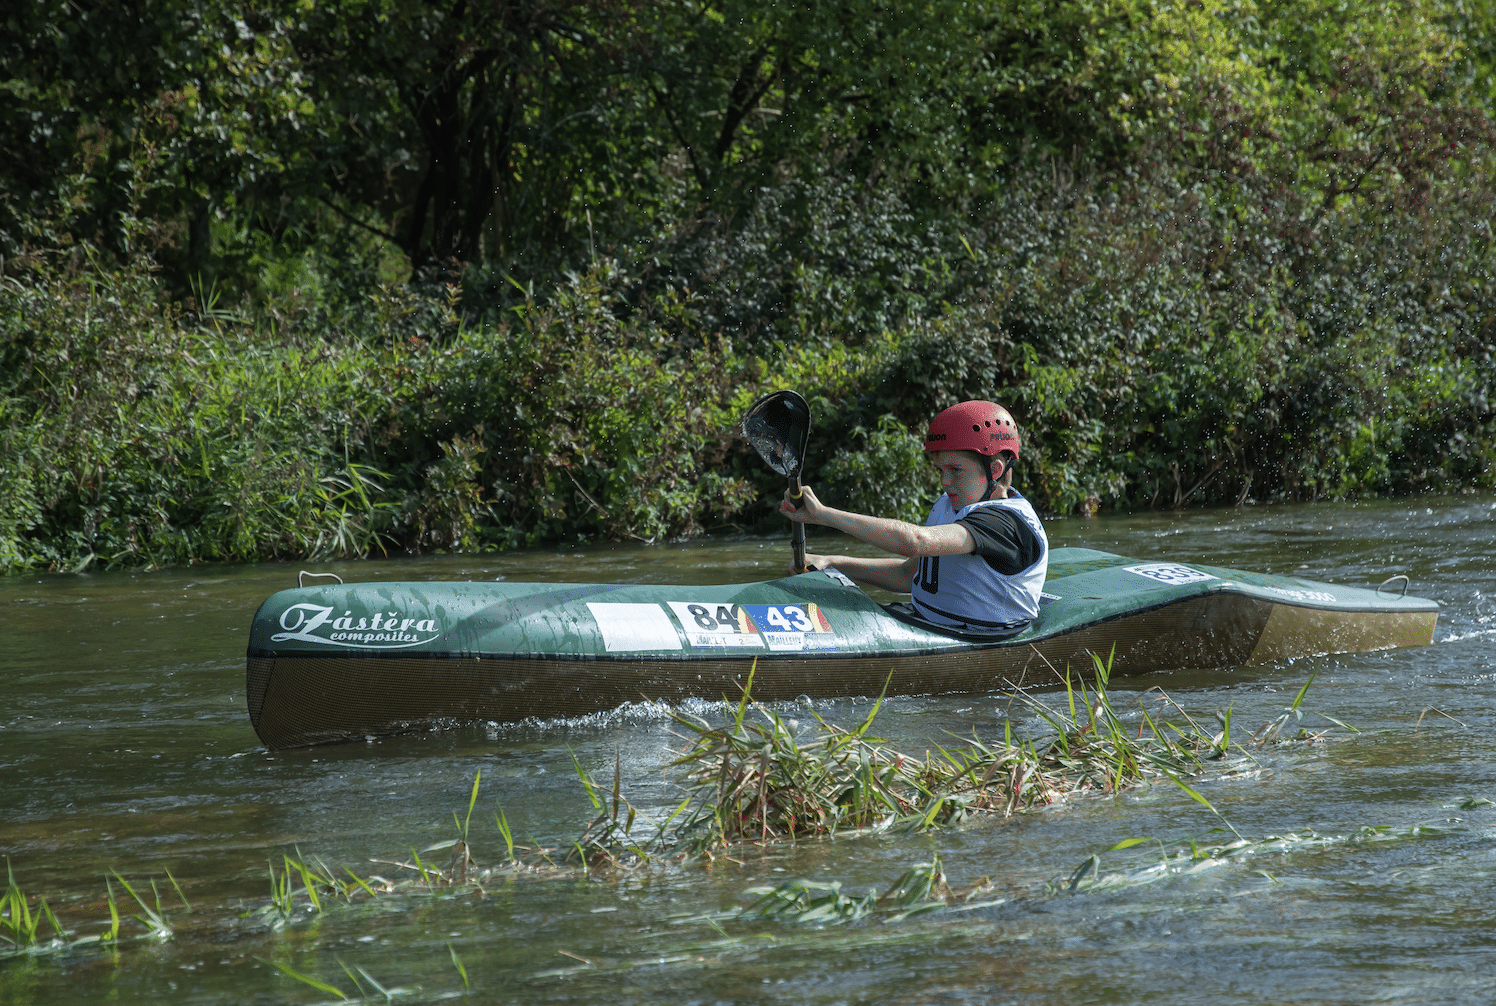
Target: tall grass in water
(153,917)
(763,779)
(20,926)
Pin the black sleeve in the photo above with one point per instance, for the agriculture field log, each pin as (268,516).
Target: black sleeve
(1008,544)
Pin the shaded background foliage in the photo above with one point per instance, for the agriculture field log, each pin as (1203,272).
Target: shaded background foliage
(300,278)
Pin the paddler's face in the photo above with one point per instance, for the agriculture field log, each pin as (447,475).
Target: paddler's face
(963,476)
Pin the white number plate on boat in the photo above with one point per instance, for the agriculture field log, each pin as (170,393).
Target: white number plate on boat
(1170,573)
(709,623)
(793,626)
(633,626)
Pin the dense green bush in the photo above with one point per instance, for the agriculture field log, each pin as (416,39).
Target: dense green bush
(134,435)
(137,435)
(580,427)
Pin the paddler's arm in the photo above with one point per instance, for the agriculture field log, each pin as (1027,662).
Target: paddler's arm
(896,536)
(896,575)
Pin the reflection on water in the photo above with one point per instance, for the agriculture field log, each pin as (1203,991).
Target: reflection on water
(124,745)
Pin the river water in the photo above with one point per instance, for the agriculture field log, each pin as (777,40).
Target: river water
(125,749)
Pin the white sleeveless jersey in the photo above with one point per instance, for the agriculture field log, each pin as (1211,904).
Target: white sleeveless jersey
(963,590)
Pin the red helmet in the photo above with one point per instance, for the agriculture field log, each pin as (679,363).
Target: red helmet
(974,426)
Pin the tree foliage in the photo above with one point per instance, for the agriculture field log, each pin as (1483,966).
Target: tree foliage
(294,277)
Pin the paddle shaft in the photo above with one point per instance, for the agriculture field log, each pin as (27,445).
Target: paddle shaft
(797,535)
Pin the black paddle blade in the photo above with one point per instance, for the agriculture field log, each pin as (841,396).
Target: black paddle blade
(777,427)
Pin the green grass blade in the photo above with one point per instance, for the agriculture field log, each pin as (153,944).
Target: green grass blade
(1194,795)
(291,972)
(360,882)
(737,722)
(472,802)
(306,880)
(420,866)
(374,982)
(502,822)
(357,985)
(593,796)
(1299,698)
(113,935)
(872,714)
(457,963)
(185,903)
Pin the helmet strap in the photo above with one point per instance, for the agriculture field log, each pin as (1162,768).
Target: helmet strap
(994,479)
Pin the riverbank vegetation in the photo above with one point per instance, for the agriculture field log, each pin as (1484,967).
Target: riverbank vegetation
(301,279)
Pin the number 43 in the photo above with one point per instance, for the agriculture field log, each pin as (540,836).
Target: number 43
(789,618)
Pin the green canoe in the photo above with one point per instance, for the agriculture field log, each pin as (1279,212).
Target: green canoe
(347,662)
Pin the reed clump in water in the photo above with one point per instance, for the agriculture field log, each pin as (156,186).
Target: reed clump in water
(21,923)
(764,779)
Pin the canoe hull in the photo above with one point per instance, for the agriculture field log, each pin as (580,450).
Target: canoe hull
(299,693)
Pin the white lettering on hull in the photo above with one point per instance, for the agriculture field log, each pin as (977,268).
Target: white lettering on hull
(314,623)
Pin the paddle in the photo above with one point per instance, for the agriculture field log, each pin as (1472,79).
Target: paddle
(777,427)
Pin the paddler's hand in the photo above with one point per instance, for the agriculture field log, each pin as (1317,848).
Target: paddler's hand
(807,509)
(812,563)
